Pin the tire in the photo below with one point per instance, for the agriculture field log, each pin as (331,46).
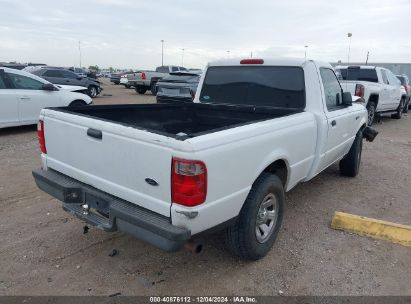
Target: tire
(400,110)
(350,164)
(371,109)
(78,103)
(127,86)
(92,91)
(245,238)
(153,88)
(406,107)
(141,90)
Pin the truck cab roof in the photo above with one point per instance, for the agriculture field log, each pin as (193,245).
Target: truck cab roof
(298,62)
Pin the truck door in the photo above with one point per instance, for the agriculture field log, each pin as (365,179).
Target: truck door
(395,90)
(339,118)
(384,102)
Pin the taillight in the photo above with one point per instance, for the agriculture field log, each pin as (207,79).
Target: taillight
(188,182)
(143,76)
(40,134)
(192,94)
(359,90)
(252,61)
(406,88)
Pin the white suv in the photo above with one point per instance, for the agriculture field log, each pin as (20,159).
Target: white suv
(23,95)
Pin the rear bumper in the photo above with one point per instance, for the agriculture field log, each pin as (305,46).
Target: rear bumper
(122,215)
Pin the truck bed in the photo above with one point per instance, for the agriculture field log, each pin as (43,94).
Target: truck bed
(180,121)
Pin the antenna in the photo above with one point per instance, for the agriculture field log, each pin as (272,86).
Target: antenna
(349,35)
(368,55)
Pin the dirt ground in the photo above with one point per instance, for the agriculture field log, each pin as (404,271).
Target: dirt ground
(43,250)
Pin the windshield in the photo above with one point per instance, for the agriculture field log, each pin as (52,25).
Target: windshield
(359,74)
(273,86)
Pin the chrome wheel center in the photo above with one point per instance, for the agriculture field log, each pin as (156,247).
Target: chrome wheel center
(267,217)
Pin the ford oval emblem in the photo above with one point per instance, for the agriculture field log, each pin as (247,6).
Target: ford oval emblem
(151,181)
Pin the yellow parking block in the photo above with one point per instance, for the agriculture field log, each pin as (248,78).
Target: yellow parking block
(396,233)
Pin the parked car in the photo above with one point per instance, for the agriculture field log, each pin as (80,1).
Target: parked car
(178,87)
(146,80)
(66,77)
(378,86)
(124,80)
(256,129)
(23,95)
(116,77)
(79,71)
(405,82)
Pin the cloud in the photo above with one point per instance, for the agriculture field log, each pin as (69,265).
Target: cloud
(127,33)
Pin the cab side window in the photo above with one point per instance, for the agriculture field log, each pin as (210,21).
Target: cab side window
(384,77)
(53,73)
(332,89)
(24,83)
(67,74)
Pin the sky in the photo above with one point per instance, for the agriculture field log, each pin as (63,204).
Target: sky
(128,33)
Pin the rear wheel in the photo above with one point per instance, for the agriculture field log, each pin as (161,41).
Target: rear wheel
(350,164)
(141,90)
(257,226)
(371,109)
(78,103)
(400,110)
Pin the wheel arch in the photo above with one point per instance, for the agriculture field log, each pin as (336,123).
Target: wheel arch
(279,167)
(374,98)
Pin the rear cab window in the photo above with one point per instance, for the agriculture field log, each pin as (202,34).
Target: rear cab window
(356,73)
(270,86)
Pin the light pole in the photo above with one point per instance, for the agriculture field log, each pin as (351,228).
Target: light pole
(182,57)
(162,52)
(305,52)
(79,50)
(349,35)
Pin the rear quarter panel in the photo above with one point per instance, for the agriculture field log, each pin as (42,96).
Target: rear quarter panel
(236,157)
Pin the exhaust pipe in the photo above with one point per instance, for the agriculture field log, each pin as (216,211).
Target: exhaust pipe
(193,246)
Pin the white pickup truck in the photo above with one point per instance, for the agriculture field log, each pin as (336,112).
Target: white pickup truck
(379,87)
(165,173)
(147,80)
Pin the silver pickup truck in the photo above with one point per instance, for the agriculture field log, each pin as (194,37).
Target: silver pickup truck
(147,80)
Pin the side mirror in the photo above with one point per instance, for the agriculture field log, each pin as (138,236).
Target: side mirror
(346,99)
(49,87)
(79,78)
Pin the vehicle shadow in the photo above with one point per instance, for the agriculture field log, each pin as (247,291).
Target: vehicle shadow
(18,130)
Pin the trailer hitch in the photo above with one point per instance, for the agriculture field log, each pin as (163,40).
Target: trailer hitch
(369,134)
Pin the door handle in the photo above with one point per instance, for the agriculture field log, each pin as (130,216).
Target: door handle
(94,133)
(24,98)
(333,123)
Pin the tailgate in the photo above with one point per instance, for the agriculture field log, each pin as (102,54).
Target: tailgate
(119,163)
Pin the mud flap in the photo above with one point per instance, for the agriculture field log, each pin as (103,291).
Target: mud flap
(369,134)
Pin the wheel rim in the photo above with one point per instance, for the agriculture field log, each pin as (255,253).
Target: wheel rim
(267,217)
